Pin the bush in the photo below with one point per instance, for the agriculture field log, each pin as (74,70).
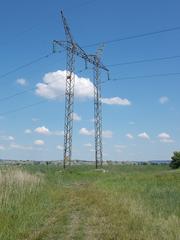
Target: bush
(175,163)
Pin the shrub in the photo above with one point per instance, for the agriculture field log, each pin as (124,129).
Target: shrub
(175,163)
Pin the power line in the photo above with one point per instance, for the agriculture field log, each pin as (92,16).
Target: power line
(158,75)
(16,94)
(25,65)
(141,35)
(22,108)
(110,65)
(144,61)
(94,44)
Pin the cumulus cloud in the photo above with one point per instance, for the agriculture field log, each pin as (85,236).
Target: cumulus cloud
(35,119)
(144,136)
(92,120)
(53,86)
(45,131)
(76,117)
(116,101)
(28,131)
(92,150)
(42,130)
(88,145)
(163,99)
(7,138)
(86,132)
(107,134)
(129,135)
(11,138)
(21,81)
(2,148)
(60,147)
(57,133)
(165,137)
(119,148)
(20,147)
(39,142)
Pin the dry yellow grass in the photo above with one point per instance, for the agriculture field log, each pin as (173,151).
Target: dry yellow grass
(15,180)
(18,177)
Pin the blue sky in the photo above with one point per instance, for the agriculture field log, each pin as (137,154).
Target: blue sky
(141,115)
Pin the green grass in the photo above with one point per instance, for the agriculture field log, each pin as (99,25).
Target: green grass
(122,202)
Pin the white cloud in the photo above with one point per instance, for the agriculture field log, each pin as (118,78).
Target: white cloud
(163,99)
(107,134)
(88,145)
(21,81)
(45,131)
(35,119)
(92,150)
(165,140)
(116,101)
(165,137)
(92,120)
(39,142)
(53,86)
(28,131)
(144,135)
(20,147)
(57,133)
(60,147)
(42,130)
(105,154)
(119,148)
(7,138)
(76,117)
(11,138)
(2,148)
(86,132)
(129,135)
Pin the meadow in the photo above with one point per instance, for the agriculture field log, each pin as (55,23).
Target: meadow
(121,202)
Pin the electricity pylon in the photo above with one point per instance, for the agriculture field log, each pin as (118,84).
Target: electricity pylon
(98,106)
(72,49)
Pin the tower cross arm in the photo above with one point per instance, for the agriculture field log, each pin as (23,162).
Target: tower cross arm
(73,47)
(77,50)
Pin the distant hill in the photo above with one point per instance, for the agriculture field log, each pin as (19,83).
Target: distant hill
(159,161)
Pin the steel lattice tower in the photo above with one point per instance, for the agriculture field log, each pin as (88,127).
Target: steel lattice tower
(98,116)
(98,106)
(69,101)
(72,49)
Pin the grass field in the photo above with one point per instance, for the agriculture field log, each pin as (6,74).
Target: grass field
(122,202)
